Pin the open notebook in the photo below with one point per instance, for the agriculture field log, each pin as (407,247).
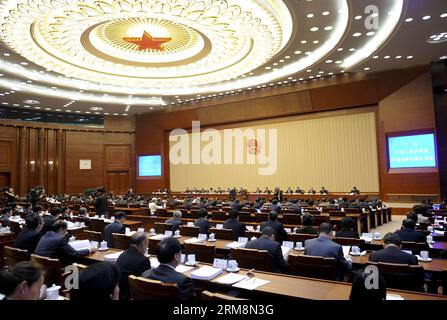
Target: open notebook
(79,245)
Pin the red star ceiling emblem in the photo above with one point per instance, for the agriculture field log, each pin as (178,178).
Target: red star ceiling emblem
(148,42)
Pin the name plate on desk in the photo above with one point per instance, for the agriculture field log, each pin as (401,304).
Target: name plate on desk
(220,263)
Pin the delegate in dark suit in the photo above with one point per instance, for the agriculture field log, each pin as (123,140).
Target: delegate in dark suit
(393,254)
(47,222)
(280,233)
(277,263)
(325,247)
(28,239)
(347,234)
(101,206)
(203,224)
(411,235)
(115,227)
(167,273)
(237,227)
(176,223)
(55,245)
(307,230)
(131,262)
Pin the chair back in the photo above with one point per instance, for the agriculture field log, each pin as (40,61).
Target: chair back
(146,289)
(161,213)
(121,241)
(290,218)
(402,276)
(444,282)
(188,231)
(222,234)
(206,295)
(203,252)
(245,216)
(53,269)
(252,258)
(219,215)
(93,235)
(161,227)
(313,267)
(15,255)
(350,242)
(251,234)
(261,217)
(194,213)
(152,246)
(97,225)
(416,247)
(300,237)
(319,219)
(336,213)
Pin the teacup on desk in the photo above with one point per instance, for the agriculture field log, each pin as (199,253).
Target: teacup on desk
(430,228)
(53,292)
(72,239)
(258,228)
(430,239)
(82,224)
(177,233)
(212,237)
(377,236)
(152,232)
(232,264)
(424,255)
(127,230)
(299,245)
(77,224)
(355,250)
(104,245)
(94,244)
(191,259)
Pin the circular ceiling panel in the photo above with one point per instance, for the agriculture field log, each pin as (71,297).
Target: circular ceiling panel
(147,43)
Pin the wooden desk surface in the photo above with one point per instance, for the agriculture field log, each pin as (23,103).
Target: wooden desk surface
(294,287)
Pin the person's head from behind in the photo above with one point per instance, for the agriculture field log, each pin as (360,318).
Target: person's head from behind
(56,212)
(273,216)
(120,216)
(275,201)
(37,209)
(82,211)
(347,223)
(409,224)
(392,239)
(374,292)
(7,211)
(422,210)
(308,220)
(59,226)
(98,281)
(269,232)
(140,242)
(23,282)
(234,214)
(325,229)
(34,222)
(169,251)
(413,216)
(202,213)
(177,214)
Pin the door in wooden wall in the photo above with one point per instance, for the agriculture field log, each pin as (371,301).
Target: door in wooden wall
(118,168)
(118,182)
(5,179)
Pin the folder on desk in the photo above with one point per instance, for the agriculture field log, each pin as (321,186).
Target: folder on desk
(206,273)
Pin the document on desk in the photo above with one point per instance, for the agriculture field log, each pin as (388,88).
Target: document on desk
(346,250)
(194,240)
(181,268)
(235,244)
(158,237)
(80,245)
(231,278)
(391,296)
(250,284)
(113,257)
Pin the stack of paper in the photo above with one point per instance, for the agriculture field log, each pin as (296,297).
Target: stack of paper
(285,251)
(206,273)
(391,296)
(158,237)
(234,244)
(194,240)
(440,232)
(131,233)
(181,268)
(79,245)
(231,278)
(346,250)
(250,283)
(113,257)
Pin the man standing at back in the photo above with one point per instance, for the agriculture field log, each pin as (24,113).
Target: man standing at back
(101,205)
(323,246)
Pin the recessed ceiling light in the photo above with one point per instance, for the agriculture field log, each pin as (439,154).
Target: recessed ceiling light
(328,28)
(352,49)
(387,57)
(303,41)
(410,57)
(16,105)
(310,15)
(409,19)
(398,57)
(309,70)
(367,69)
(24,63)
(370,34)
(329,61)
(6,54)
(357,34)
(316,42)
(27,106)
(325,13)
(340,49)
(96,109)
(1,74)
(443,57)
(358,17)
(376,57)
(338,61)
(268,68)
(308,53)
(297,52)
(426,17)
(444,15)
(314,29)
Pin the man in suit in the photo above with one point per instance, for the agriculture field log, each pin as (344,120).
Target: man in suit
(323,246)
(392,252)
(48,220)
(28,238)
(169,254)
(133,262)
(101,204)
(4,218)
(83,216)
(275,206)
(114,227)
(234,224)
(267,242)
(280,233)
(407,233)
(54,244)
(347,229)
(308,221)
(175,220)
(203,222)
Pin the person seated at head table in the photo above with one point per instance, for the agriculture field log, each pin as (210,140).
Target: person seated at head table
(23,282)
(308,221)
(116,226)
(289,190)
(133,262)
(355,191)
(4,218)
(99,281)
(392,253)
(29,237)
(360,292)
(280,233)
(267,242)
(312,191)
(169,254)
(407,233)
(48,220)
(234,224)
(202,222)
(347,229)
(323,191)
(176,220)
(323,246)
(54,244)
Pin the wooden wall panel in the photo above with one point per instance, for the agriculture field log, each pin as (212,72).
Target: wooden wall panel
(117,157)
(6,156)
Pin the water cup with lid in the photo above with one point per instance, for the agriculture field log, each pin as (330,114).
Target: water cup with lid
(355,250)
(127,230)
(53,292)
(152,231)
(212,237)
(177,233)
(430,238)
(377,236)
(103,244)
(424,255)
(72,238)
(299,245)
(232,264)
(430,228)
(258,228)
(191,259)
